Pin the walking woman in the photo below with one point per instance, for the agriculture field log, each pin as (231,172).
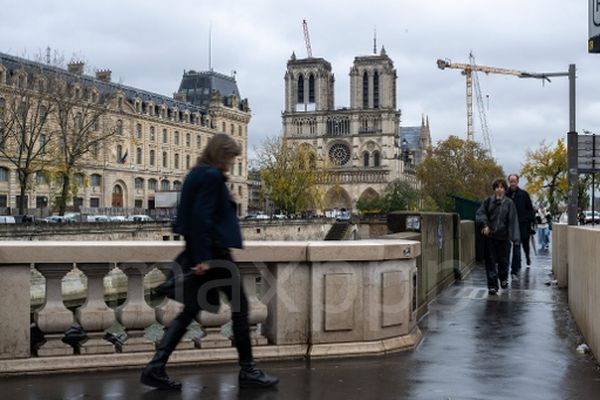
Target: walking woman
(206,217)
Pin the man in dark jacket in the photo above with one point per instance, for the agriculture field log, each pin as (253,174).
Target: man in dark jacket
(497,219)
(526,216)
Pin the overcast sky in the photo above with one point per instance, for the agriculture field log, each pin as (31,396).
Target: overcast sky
(147,44)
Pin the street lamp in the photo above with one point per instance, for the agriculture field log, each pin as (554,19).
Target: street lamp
(404,149)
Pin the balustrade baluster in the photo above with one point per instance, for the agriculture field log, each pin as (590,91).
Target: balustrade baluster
(54,318)
(94,315)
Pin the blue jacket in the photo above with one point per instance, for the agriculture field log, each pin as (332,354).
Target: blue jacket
(206,216)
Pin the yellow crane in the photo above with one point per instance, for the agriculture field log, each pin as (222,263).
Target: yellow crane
(470,71)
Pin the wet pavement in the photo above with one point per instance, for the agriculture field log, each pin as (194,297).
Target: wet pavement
(517,345)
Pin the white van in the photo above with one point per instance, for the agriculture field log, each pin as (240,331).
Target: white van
(7,219)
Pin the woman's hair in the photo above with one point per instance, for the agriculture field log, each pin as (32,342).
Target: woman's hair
(499,182)
(218,149)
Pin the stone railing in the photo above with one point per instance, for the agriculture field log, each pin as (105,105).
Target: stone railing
(316,299)
(374,176)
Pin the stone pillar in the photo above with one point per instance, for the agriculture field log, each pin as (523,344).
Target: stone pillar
(54,318)
(167,311)
(257,311)
(94,315)
(14,314)
(211,324)
(135,314)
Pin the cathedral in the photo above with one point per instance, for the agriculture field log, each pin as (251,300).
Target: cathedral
(362,143)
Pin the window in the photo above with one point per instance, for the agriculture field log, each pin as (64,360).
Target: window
(232,129)
(95,148)
(376,90)
(176,161)
(3,200)
(311,88)
(164,159)
(79,180)
(139,203)
(176,185)
(187,140)
(240,169)
(365,91)
(78,203)
(300,89)
(139,183)
(41,178)
(96,180)
(240,190)
(138,131)
(165,136)
(365,159)
(240,130)
(376,159)
(119,153)
(152,184)
(152,161)
(176,137)
(187,162)
(4,174)
(78,120)
(94,202)
(223,127)
(152,134)
(138,155)
(42,143)
(119,127)
(198,141)
(41,202)
(164,185)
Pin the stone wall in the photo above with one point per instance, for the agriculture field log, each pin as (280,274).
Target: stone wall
(560,254)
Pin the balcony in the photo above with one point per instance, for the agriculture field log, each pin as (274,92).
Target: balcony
(352,176)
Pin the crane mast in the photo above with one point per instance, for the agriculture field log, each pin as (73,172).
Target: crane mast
(306,38)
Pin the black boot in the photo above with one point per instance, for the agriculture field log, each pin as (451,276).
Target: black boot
(154,373)
(252,377)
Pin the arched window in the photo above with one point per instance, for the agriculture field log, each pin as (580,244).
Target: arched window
(198,141)
(138,155)
(138,131)
(176,161)
(366,159)
(164,159)
(79,180)
(300,89)
(176,185)
(187,139)
(365,91)
(164,185)
(165,136)
(119,153)
(119,127)
(152,134)
(376,159)
(176,137)
(139,183)
(187,162)
(4,174)
(376,90)
(311,88)
(152,157)
(152,184)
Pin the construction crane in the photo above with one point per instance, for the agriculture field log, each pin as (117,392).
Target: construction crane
(470,70)
(306,39)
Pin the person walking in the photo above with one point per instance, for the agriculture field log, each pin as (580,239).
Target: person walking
(526,215)
(206,217)
(497,218)
(544,223)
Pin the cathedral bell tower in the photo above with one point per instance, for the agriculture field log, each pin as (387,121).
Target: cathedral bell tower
(308,85)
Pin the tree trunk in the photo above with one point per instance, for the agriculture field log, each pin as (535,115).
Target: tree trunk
(64,193)
(23,182)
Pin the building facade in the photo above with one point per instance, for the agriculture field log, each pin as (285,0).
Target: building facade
(362,142)
(157,140)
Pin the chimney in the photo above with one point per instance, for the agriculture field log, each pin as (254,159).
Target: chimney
(75,67)
(104,75)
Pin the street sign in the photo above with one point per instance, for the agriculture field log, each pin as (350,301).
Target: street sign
(594,27)
(588,153)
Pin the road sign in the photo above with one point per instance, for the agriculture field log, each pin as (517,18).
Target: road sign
(588,153)
(594,27)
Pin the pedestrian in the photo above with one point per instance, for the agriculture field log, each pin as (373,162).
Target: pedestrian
(499,224)
(544,222)
(206,217)
(526,216)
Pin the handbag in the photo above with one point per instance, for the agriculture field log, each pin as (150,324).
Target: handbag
(177,280)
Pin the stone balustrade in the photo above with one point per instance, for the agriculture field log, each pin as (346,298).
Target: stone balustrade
(306,299)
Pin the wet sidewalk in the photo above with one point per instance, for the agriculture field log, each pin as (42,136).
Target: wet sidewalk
(517,345)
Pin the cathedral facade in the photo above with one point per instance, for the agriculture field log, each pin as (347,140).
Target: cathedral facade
(362,143)
(158,139)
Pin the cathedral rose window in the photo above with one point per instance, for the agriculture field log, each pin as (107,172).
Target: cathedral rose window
(339,154)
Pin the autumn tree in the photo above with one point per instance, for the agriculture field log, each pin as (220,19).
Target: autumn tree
(82,128)
(457,167)
(397,196)
(290,175)
(26,106)
(545,170)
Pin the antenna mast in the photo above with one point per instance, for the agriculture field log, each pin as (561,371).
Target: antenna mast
(210,47)
(306,38)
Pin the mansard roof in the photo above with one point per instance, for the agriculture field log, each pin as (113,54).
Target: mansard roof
(198,86)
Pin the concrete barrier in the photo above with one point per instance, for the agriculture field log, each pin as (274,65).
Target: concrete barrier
(559,254)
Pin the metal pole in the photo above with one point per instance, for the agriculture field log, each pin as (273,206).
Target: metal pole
(593,178)
(572,151)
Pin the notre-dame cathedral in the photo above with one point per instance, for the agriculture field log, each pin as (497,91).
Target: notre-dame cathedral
(363,143)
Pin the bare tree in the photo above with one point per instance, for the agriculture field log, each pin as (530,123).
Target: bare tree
(26,104)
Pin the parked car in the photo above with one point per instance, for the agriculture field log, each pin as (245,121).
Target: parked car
(279,216)
(7,219)
(117,218)
(343,216)
(589,217)
(97,218)
(261,216)
(55,219)
(139,218)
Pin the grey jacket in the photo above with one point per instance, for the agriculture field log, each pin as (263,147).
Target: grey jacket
(501,217)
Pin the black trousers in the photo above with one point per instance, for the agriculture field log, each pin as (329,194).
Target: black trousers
(222,276)
(524,231)
(496,261)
